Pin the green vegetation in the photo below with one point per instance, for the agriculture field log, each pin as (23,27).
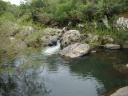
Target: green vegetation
(43,13)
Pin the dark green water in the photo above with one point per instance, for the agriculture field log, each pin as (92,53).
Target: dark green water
(40,75)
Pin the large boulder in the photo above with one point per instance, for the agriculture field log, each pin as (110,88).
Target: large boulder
(70,37)
(75,50)
(112,46)
(121,92)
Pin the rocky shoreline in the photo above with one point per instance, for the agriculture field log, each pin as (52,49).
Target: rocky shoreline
(72,41)
(74,44)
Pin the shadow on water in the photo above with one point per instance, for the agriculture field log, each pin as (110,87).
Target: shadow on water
(51,75)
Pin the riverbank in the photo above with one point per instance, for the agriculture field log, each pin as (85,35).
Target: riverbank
(19,38)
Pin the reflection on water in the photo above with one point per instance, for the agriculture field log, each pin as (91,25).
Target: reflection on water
(51,75)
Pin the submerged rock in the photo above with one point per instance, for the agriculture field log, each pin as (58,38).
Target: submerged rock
(121,92)
(123,68)
(75,50)
(70,37)
(112,46)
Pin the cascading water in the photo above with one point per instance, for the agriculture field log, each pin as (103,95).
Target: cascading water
(52,50)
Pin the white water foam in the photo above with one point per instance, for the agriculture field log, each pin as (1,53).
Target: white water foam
(52,50)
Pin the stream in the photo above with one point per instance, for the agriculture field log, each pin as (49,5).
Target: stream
(46,73)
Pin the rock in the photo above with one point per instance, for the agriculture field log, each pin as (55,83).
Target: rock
(112,46)
(53,31)
(108,38)
(122,22)
(81,25)
(51,35)
(93,51)
(121,92)
(105,21)
(123,68)
(127,65)
(11,38)
(26,31)
(75,50)
(70,37)
(49,40)
(93,40)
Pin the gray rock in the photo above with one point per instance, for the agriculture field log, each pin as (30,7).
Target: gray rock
(105,21)
(49,40)
(122,22)
(121,92)
(127,65)
(75,50)
(53,31)
(112,46)
(108,38)
(70,37)
(81,25)
(51,35)
(26,32)
(93,40)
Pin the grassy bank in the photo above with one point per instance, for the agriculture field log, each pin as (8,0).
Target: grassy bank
(17,21)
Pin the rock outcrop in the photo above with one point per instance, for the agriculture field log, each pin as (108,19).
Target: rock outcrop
(112,46)
(122,22)
(70,37)
(75,50)
(121,92)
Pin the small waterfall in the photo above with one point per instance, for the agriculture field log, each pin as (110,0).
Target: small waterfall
(52,50)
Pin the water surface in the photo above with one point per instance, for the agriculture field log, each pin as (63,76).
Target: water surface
(49,74)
